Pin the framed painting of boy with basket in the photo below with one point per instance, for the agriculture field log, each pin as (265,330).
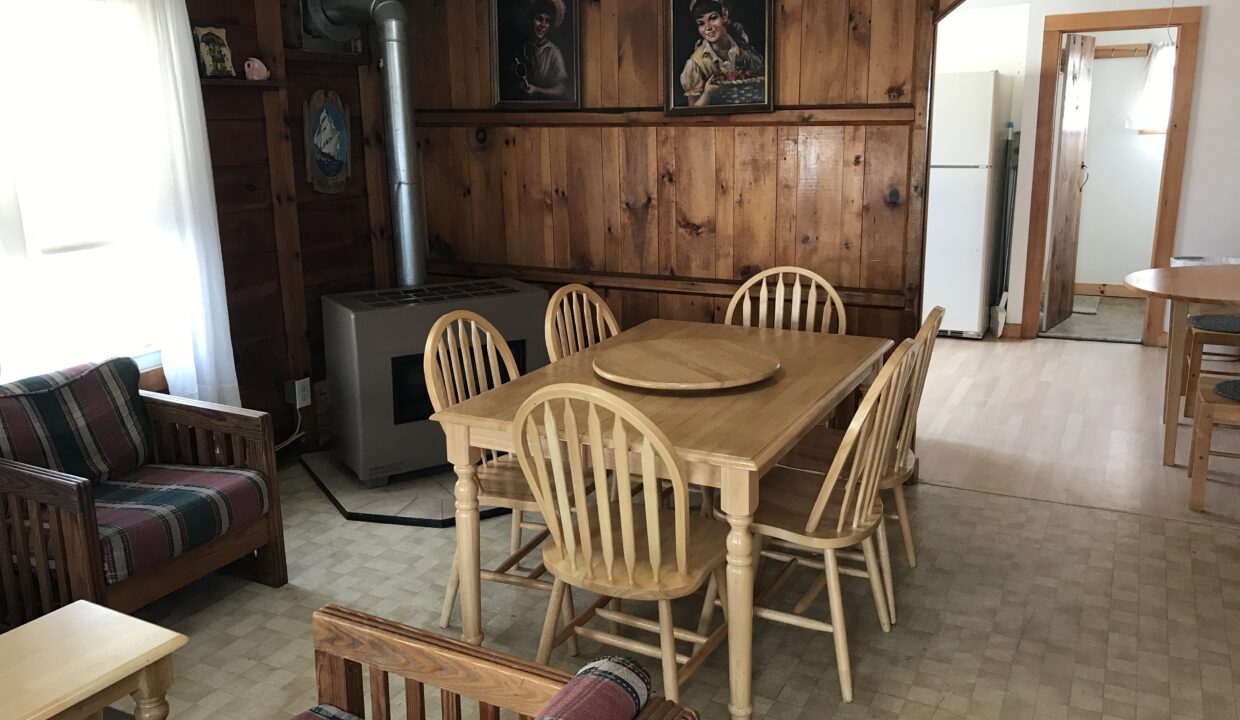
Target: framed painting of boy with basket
(719,56)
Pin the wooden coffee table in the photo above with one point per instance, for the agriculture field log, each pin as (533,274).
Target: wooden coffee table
(79,659)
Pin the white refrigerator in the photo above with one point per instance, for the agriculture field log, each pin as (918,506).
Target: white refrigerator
(968,126)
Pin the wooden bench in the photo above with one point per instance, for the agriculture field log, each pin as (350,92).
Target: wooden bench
(346,640)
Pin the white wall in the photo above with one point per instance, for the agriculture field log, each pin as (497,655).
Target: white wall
(1120,201)
(978,39)
(1211,190)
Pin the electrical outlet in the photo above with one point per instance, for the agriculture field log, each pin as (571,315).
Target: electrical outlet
(297,393)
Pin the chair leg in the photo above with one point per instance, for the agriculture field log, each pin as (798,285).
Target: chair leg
(449,596)
(876,582)
(708,607)
(1196,348)
(614,627)
(667,646)
(837,625)
(884,561)
(569,615)
(906,528)
(721,583)
(517,517)
(551,621)
(1199,456)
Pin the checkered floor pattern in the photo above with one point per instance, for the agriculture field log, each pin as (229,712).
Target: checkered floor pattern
(1017,609)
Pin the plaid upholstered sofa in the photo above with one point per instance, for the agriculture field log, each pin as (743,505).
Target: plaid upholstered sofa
(119,496)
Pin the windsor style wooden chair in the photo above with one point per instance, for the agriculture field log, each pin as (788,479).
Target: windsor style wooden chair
(466,356)
(799,520)
(618,549)
(818,449)
(787,297)
(577,317)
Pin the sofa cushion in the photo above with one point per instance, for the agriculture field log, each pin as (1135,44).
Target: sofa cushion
(158,512)
(610,688)
(326,712)
(87,421)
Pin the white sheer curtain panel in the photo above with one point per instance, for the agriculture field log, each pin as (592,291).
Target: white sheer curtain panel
(109,243)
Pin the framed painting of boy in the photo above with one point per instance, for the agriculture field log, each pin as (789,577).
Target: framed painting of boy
(719,56)
(535,46)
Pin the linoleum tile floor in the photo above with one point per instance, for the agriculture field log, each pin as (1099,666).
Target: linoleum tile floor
(1018,608)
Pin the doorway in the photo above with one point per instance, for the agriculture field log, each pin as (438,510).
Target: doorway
(1060,171)
(1113,106)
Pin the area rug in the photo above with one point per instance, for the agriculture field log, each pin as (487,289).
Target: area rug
(1115,320)
(424,498)
(1085,304)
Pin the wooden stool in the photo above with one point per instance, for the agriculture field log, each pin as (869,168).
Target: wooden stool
(1212,407)
(1206,330)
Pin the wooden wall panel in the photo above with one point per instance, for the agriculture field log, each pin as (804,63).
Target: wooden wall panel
(665,216)
(685,202)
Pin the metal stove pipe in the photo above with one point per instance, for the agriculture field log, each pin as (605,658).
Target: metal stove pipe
(344,20)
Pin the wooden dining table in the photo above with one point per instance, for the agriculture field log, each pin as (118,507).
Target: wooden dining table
(1184,286)
(728,438)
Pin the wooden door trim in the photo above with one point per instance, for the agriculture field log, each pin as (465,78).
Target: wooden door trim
(1187,21)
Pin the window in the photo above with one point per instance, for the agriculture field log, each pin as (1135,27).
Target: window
(86,204)
(1153,107)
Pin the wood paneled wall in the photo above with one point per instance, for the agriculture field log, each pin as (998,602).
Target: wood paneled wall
(665,215)
(668,215)
(285,245)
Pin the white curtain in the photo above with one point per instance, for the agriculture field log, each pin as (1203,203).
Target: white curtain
(109,243)
(1152,110)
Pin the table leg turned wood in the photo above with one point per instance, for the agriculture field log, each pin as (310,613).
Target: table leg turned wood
(151,695)
(468,543)
(739,500)
(1175,379)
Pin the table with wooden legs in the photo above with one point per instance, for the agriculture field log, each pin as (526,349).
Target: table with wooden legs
(1184,286)
(728,439)
(75,661)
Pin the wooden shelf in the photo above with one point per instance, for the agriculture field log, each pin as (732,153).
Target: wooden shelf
(295,55)
(242,83)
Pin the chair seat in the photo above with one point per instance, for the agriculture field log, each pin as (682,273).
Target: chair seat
(502,484)
(816,452)
(706,551)
(788,498)
(1215,323)
(157,512)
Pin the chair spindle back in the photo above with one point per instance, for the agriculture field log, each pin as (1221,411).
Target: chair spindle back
(803,290)
(926,336)
(577,317)
(865,452)
(465,356)
(561,425)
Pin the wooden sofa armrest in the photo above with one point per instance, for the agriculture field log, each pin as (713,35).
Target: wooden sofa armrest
(49,542)
(194,432)
(345,640)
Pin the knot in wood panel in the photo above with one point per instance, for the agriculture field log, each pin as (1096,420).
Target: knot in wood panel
(893,197)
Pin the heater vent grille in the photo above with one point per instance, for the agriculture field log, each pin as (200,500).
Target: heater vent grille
(435,293)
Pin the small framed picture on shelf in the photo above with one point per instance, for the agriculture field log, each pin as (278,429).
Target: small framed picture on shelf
(719,56)
(535,49)
(214,55)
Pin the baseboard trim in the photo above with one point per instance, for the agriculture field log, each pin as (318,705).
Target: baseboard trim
(1106,290)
